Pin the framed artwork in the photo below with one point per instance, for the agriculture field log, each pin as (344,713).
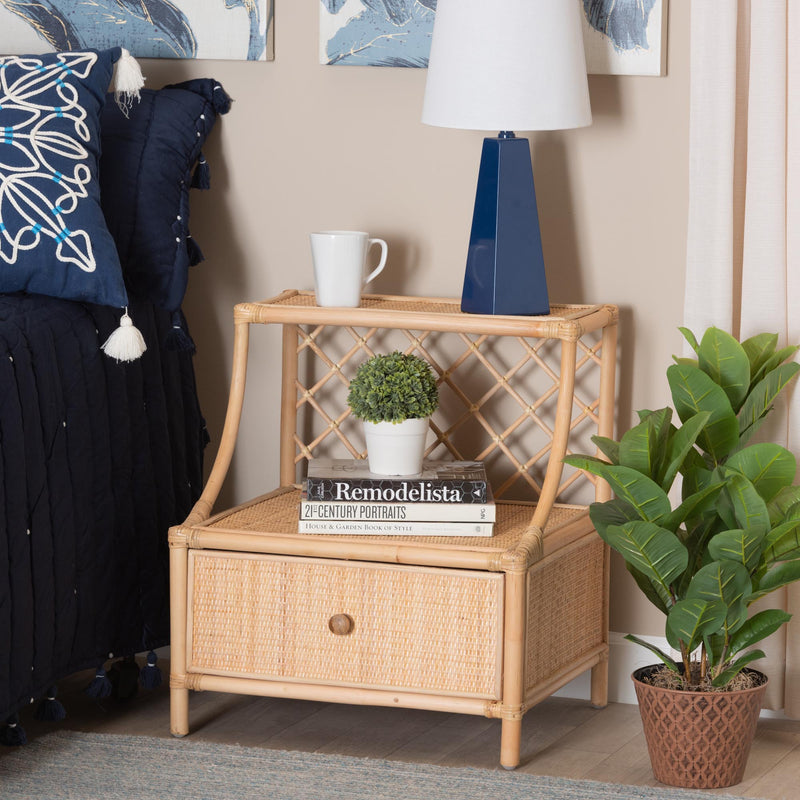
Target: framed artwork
(222,29)
(625,37)
(621,37)
(376,33)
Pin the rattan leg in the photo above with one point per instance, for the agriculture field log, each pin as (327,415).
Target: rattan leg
(513,667)
(510,734)
(179,712)
(599,684)
(179,695)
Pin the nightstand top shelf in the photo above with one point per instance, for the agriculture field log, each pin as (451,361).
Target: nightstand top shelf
(566,322)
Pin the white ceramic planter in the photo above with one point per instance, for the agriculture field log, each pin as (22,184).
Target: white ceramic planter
(396,448)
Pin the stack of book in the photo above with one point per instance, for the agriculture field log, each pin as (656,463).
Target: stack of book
(448,498)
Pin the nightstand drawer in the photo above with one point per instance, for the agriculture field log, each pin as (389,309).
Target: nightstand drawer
(347,623)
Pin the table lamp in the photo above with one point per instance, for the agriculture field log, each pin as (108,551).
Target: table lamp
(506,65)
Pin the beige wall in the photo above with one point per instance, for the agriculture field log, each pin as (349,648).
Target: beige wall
(308,147)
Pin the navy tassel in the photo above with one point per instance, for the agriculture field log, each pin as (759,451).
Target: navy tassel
(150,676)
(180,341)
(202,174)
(195,253)
(178,337)
(100,686)
(220,100)
(50,709)
(12,734)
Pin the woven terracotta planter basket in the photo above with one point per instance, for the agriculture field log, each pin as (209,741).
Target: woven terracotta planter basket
(699,740)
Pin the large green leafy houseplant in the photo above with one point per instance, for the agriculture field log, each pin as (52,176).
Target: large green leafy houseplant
(735,536)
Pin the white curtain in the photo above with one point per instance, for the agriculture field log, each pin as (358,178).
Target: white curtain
(743,251)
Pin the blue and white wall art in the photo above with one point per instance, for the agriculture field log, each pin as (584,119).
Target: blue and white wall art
(376,33)
(625,37)
(224,29)
(622,37)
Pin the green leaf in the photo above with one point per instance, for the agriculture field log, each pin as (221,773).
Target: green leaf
(696,541)
(690,620)
(655,552)
(758,627)
(782,543)
(732,670)
(690,337)
(783,573)
(727,582)
(696,503)
(759,348)
(724,360)
(642,448)
(785,505)
(768,466)
(654,592)
(597,466)
(741,546)
(772,362)
(646,496)
(611,512)
(715,647)
(637,448)
(668,660)
(697,475)
(760,399)
(664,431)
(608,447)
(740,505)
(680,445)
(692,392)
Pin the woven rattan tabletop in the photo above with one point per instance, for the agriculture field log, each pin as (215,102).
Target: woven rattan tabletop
(276,515)
(426,313)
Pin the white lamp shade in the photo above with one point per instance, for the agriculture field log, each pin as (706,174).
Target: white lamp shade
(515,65)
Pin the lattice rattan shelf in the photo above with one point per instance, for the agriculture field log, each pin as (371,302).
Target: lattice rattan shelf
(476,625)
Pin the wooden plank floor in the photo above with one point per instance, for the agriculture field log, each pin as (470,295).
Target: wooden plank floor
(560,737)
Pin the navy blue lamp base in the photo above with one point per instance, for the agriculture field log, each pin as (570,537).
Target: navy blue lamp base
(505,268)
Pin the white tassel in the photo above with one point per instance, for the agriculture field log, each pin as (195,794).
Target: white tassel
(128,80)
(126,343)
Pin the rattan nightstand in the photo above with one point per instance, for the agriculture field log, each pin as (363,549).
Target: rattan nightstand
(486,626)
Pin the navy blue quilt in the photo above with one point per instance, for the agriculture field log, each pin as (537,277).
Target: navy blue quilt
(97,460)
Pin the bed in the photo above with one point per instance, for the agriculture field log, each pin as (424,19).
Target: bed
(98,460)
(99,455)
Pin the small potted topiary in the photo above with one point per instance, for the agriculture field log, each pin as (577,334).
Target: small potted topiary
(394,395)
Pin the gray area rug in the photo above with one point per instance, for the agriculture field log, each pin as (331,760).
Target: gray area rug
(90,766)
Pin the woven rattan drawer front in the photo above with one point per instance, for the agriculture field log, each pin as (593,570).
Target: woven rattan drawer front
(420,629)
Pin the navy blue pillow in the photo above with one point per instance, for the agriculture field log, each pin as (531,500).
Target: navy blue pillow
(145,175)
(53,237)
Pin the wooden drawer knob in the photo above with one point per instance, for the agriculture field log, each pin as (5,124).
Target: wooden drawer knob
(341,624)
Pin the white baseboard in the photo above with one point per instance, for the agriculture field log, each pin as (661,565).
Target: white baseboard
(623,658)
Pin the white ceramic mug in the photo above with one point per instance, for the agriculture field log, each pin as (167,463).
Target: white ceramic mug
(340,264)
